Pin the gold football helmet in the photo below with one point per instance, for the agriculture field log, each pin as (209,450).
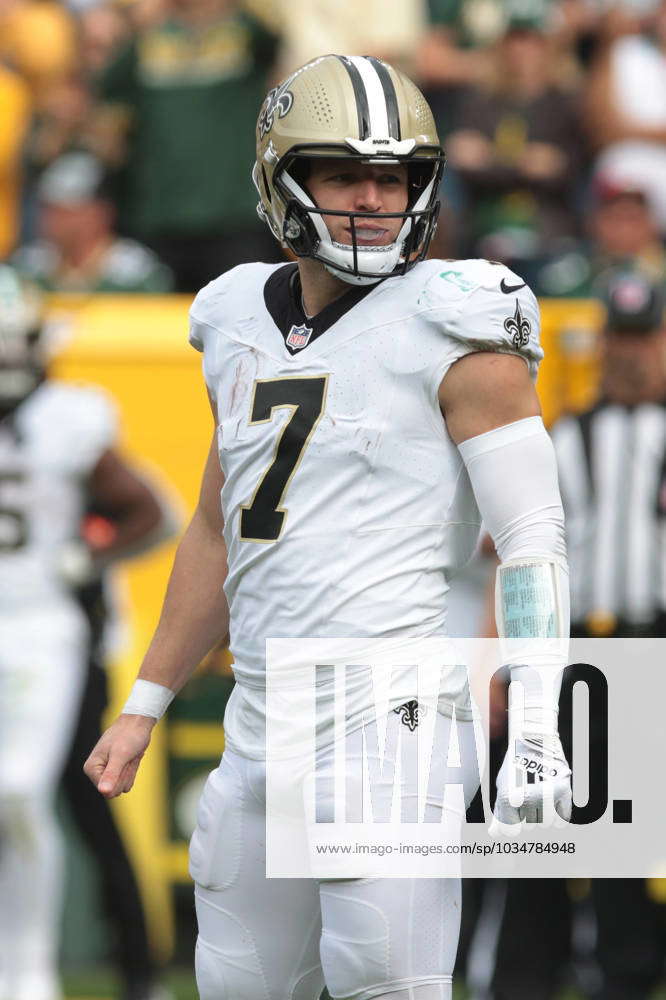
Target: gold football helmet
(355,107)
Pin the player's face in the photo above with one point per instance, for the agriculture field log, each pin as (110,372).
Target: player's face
(351,186)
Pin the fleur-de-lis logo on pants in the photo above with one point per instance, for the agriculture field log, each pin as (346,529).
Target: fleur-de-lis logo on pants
(518,327)
(409,713)
(278,101)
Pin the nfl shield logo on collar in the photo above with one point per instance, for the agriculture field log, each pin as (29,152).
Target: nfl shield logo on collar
(298,337)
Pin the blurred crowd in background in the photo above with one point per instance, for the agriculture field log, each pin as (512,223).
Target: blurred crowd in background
(127,130)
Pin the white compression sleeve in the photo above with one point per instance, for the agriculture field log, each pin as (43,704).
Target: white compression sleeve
(513,472)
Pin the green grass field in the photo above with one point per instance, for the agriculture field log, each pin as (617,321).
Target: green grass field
(101,985)
(98,984)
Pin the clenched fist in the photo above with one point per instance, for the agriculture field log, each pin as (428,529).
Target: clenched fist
(533,785)
(113,764)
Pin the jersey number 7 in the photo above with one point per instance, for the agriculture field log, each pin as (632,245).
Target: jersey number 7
(263,518)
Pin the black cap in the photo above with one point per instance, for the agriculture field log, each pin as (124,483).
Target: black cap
(634,303)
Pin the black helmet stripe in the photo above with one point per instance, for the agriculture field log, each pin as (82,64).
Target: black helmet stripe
(362,105)
(390,95)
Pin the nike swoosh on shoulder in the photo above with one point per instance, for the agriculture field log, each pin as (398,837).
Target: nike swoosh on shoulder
(507,289)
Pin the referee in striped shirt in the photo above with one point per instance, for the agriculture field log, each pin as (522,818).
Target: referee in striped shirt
(612,471)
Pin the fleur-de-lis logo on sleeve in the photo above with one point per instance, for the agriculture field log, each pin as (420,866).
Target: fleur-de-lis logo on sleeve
(518,327)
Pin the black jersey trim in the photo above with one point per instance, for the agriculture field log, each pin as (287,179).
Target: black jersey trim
(390,96)
(362,104)
(282,296)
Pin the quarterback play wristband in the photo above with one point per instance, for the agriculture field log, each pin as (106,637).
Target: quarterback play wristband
(148,698)
(532,622)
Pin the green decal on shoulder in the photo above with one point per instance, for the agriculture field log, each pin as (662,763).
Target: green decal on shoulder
(457,278)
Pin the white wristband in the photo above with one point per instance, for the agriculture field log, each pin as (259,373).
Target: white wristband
(148,698)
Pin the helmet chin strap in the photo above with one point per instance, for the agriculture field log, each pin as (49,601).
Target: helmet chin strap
(338,258)
(393,249)
(343,260)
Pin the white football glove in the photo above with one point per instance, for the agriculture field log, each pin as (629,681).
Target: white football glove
(533,785)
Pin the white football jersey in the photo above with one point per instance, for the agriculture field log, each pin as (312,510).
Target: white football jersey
(48,449)
(346,503)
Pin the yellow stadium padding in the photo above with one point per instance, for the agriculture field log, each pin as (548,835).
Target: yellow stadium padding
(136,349)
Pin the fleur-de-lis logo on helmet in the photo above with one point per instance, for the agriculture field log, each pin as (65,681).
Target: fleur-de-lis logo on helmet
(518,327)
(278,101)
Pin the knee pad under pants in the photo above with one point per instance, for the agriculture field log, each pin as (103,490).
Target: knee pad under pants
(394,937)
(381,936)
(259,938)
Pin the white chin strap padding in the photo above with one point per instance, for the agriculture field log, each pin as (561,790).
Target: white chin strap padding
(378,261)
(338,258)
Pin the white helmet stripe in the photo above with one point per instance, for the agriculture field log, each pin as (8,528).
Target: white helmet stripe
(390,96)
(379,124)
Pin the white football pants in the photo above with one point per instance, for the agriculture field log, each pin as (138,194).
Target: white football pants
(281,939)
(41,675)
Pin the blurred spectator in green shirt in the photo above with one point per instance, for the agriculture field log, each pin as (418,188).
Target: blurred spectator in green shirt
(178,112)
(78,250)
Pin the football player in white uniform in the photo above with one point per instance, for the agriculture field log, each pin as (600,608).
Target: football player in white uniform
(56,452)
(370,406)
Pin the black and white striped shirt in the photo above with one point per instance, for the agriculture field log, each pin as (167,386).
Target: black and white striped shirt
(612,469)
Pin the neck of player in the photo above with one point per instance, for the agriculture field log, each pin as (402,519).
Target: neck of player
(319,286)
